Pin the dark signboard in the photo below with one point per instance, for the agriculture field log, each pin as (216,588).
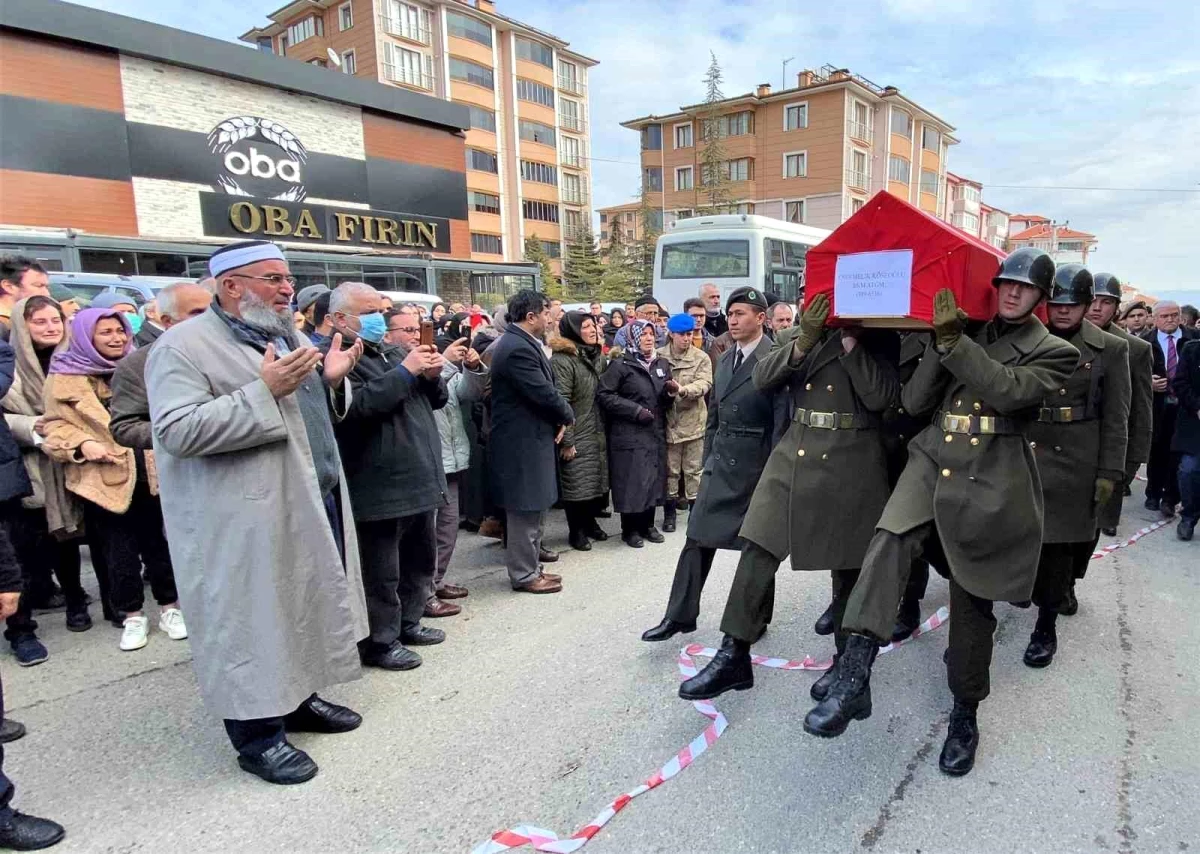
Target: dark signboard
(299,222)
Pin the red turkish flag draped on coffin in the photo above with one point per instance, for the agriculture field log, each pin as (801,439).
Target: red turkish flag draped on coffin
(866,257)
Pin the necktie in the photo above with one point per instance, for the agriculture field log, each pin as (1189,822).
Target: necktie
(1172,357)
(737,360)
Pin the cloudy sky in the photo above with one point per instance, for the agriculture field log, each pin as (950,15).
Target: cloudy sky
(1058,94)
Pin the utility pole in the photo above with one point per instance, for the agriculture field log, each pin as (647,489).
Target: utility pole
(783,80)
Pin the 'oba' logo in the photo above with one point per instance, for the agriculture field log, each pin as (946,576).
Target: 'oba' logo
(272,172)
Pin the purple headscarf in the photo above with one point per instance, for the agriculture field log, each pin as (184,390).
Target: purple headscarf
(81,357)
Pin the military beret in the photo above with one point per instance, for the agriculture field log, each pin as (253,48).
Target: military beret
(750,296)
(681,323)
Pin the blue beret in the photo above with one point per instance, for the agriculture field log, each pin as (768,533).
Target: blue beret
(681,323)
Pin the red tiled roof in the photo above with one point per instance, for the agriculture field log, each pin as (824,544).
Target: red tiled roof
(1043,230)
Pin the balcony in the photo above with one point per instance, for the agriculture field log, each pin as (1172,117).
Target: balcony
(572,85)
(576,158)
(406,30)
(574,195)
(858,180)
(861,131)
(408,77)
(575,124)
(572,231)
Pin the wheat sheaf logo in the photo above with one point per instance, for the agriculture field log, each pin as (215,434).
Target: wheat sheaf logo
(247,171)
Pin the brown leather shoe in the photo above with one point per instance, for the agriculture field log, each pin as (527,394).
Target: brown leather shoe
(437,608)
(491,528)
(452,591)
(541,584)
(542,572)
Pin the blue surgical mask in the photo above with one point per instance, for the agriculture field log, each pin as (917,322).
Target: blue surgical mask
(135,321)
(372,327)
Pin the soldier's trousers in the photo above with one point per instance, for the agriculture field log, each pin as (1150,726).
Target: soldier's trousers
(871,610)
(1055,572)
(1081,559)
(691,573)
(751,598)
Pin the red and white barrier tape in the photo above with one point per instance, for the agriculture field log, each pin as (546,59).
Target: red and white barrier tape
(1137,535)
(548,840)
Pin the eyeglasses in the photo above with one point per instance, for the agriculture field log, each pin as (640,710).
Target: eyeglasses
(275,279)
(408,330)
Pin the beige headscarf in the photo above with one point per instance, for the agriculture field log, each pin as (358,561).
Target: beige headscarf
(22,407)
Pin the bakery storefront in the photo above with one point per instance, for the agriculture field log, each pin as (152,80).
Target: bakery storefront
(132,148)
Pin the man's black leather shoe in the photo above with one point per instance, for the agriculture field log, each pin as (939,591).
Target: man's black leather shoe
(1186,529)
(282,765)
(1167,508)
(634,541)
(579,541)
(1151,504)
(849,697)
(962,739)
(11,730)
(317,715)
(667,629)
(827,622)
(729,670)
(29,833)
(654,535)
(908,617)
(595,532)
(669,519)
(394,657)
(1070,605)
(1041,649)
(1109,532)
(422,636)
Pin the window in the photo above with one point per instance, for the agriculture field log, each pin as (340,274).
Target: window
(969,223)
(572,152)
(536,132)
(735,124)
(531,170)
(858,176)
(1066,245)
(544,211)
(283,44)
(899,169)
(931,139)
(466,27)
(486,243)
(349,63)
(654,221)
(683,178)
(482,119)
(744,208)
(552,248)
(568,78)
(481,161)
(901,122)
(534,52)
(471,72)
(966,191)
(794,211)
(795,116)
(685,213)
(406,20)
(572,189)
(929,182)
(531,90)
(738,170)
(345,17)
(264,44)
(795,165)
(706,259)
(654,178)
(320,63)
(683,136)
(570,116)
(603,219)
(483,202)
(305,29)
(407,66)
(856,205)
(859,126)
(652,138)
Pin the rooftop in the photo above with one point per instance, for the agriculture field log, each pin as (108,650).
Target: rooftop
(627,206)
(1044,230)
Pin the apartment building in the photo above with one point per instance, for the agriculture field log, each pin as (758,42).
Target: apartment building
(626,218)
(966,210)
(1065,245)
(528,169)
(810,154)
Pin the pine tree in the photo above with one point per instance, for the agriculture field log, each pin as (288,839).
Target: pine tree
(714,180)
(534,251)
(583,270)
(650,227)
(617,283)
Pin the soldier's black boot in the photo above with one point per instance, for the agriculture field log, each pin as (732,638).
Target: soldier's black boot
(821,687)
(908,617)
(827,622)
(1070,605)
(1043,643)
(962,738)
(729,670)
(669,516)
(849,698)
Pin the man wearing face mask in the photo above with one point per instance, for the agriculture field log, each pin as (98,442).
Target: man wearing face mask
(392,455)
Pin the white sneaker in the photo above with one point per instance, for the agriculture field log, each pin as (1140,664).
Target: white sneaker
(172,623)
(137,631)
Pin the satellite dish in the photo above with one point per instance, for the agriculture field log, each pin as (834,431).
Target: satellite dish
(333,57)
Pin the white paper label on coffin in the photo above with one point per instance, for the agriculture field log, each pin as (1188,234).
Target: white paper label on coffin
(873,284)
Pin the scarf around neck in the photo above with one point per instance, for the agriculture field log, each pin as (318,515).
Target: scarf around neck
(254,336)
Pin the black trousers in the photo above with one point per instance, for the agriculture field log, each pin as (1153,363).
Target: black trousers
(252,737)
(581,515)
(751,601)
(1162,480)
(1081,559)
(637,523)
(123,542)
(399,559)
(691,573)
(1055,572)
(871,610)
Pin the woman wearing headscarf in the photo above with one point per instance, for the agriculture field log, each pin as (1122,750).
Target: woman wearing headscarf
(438,313)
(635,393)
(124,524)
(616,320)
(577,364)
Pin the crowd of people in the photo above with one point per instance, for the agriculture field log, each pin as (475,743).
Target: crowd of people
(339,445)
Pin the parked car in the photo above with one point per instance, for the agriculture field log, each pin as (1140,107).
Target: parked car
(87,286)
(399,298)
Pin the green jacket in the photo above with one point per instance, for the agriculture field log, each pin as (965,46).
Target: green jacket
(1072,454)
(983,492)
(576,378)
(822,490)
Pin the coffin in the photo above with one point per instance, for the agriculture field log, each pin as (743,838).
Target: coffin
(883,265)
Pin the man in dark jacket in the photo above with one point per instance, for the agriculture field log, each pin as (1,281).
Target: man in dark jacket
(529,418)
(1187,437)
(1167,338)
(737,443)
(392,455)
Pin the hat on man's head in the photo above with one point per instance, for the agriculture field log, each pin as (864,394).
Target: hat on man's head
(61,293)
(681,323)
(749,296)
(308,296)
(242,254)
(646,299)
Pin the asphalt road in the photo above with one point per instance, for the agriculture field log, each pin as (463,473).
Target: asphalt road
(542,709)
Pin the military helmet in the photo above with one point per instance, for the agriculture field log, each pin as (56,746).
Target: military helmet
(1072,285)
(1107,285)
(1029,266)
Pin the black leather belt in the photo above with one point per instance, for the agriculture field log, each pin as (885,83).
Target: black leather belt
(836,420)
(1063,414)
(976,424)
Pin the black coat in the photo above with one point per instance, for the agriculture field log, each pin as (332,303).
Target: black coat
(577,377)
(737,444)
(1187,389)
(389,442)
(527,411)
(1160,368)
(14,480)
(637,449)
